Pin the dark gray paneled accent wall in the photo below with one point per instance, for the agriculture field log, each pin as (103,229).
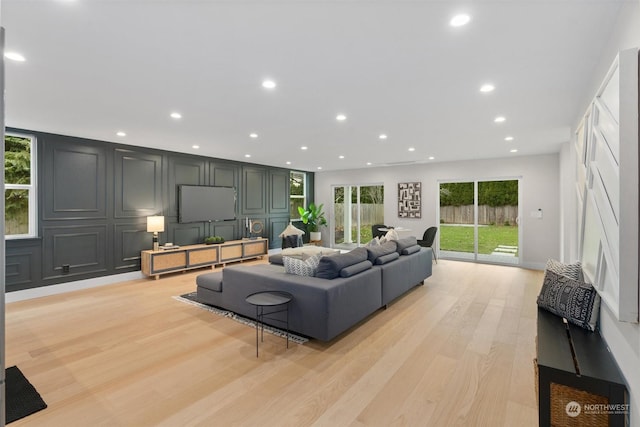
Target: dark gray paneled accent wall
(94,197)
(23,264)
(73,184)
(81,247)
(279,189)
(138,183)
(254,191)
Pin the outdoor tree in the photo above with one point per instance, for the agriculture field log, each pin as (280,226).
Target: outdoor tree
(17,170)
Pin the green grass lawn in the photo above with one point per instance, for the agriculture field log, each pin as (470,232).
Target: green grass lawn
(460,239)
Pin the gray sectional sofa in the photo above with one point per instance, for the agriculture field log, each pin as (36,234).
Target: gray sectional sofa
(365,280)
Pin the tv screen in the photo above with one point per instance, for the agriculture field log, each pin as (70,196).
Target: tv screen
(198,203)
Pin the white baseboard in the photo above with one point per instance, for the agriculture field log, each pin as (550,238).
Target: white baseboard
(61,288)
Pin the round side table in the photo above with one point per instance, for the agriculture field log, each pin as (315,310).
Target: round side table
(277,300)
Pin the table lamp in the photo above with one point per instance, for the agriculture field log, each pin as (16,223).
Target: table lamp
(155,224)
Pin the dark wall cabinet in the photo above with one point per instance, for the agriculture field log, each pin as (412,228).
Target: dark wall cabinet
(94,197)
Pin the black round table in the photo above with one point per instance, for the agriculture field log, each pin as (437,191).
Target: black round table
(265,299)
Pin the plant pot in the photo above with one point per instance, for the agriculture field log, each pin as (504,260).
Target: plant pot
(315,235)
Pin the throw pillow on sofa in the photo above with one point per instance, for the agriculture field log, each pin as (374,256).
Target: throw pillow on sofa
(373,242)
(300,267)
(392,235)
(576,301)
(330,266)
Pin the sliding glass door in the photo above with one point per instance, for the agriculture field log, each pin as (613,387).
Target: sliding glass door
(355,209)
(479,221)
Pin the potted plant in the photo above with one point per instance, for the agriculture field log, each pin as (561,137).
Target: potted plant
(313,217)
(213,240)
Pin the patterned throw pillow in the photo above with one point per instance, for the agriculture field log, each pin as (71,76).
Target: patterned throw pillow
(299,267)
(391,235)
(576,301)
(373,242)
(574,271)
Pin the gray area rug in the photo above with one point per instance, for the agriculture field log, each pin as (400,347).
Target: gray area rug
(192,299)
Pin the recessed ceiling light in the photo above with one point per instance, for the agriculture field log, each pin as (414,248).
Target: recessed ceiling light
(412,149)
(288,162)
(269,84)
(14,56)
(460,20)
(383,136)
(303,148)
(499,119)
(195,147)
(341,157)
(487,88)
(508,138)
(319,167)
(253,135)
(431,158)
(176,115)
(121,134)
(368,163)
(247,155)
(341,117)
(514,150)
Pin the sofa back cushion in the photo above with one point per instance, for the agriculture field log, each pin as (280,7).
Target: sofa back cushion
(410,250)
(354,269)
(330,266)
(374,252)
(405,242)
(383,259)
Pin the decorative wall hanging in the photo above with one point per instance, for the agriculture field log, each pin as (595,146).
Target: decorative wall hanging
(409,200)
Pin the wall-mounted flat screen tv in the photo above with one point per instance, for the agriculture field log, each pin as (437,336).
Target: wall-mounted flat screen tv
(198,203)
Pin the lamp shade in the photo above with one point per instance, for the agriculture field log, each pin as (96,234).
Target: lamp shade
(155,224)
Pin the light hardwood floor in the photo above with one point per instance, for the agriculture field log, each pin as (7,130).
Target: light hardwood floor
(456,351)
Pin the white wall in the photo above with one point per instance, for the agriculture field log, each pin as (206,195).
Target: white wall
(539,190)
(622,338)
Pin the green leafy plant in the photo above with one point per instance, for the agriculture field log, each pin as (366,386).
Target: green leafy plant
(211,240)
(312,216)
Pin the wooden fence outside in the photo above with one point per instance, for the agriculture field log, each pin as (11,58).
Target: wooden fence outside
(487,215)
(369,214)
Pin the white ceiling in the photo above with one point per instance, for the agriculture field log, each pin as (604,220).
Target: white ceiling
(95,67)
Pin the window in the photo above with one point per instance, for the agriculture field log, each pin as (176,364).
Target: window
(19,188)
(297,193)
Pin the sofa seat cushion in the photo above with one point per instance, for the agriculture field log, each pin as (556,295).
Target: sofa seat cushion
(373,252)
(330,266)
(211,281)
